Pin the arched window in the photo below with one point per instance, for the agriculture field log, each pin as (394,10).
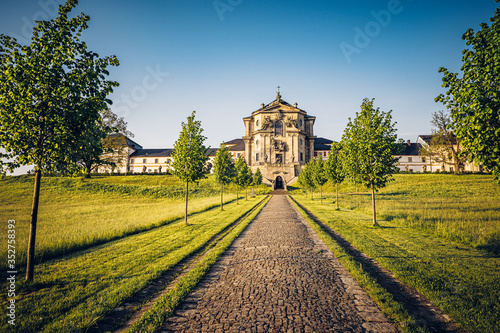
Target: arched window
(278,128)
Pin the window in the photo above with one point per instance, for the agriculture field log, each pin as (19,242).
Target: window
(301,157)
(143,160)
(156,160)
(278,128)
(257,123)
(315,154)
(410,159)
(300,122)
(300,142)
(423,159)
(257,157)
(132,161)
(256,142)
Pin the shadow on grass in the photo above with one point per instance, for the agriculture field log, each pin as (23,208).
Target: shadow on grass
(416,304)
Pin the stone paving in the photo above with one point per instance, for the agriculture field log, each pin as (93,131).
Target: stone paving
(278,276)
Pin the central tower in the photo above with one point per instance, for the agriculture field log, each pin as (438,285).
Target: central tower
(279,140)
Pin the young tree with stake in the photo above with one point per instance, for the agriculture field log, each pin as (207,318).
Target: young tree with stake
(319,175)
(190,156)
(224,170)
(368,149)
(51,93)
(256,180)
(333,168)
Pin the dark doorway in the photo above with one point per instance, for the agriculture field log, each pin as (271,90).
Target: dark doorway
(278,184)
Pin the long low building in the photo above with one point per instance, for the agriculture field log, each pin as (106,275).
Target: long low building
(279,140)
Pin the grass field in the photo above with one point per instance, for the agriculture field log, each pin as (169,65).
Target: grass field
(440,236)
(71,293)
(78,213)
(462,208)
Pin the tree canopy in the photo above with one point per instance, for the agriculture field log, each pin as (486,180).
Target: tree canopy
(51,93)
(474,97)
(368,149)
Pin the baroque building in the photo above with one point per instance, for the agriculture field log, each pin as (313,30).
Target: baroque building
(279,140)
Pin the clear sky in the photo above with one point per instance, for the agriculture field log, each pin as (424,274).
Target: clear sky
(224,58)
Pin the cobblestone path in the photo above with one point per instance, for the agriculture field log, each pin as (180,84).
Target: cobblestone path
(278,276)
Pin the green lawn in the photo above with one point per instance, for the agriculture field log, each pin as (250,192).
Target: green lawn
(71,293)
(449,268)
(463,208)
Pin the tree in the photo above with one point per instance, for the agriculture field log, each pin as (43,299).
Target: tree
(444,146)
(51,92)
(115,145)
(306,177)
(368,146)
(474,98)
(224,170)
(105,143)
(319,175)
(243,175)
(190,155)
(333,168)
(256,180)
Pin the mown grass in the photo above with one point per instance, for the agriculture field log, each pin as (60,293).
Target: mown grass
(463,208)
(460,279)
(71,293)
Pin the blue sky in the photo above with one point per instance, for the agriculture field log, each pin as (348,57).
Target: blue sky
(224,58)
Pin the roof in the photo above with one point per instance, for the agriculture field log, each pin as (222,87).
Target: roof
(411,149)
(323,141)
(235,145)
(426,138)
(320,146)
(162,152)
(276,104)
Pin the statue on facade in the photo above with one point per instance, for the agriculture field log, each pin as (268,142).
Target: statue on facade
(291,122)
(267,122)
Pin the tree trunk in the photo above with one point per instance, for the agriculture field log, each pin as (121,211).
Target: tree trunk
(221,200)
(237,202)
(186,207)
(87,174)
(321,194)
(337,190)
(34,216)
(246,192)
(253,193)
(375,223)
(312,193)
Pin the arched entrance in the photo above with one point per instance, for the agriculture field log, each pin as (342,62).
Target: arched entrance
(278,183)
